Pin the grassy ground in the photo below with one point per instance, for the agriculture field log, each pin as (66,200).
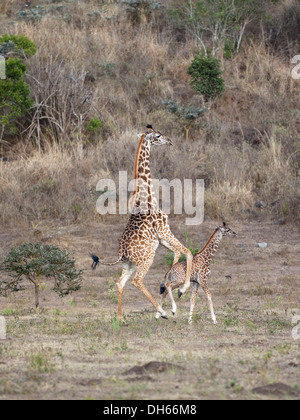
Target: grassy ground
(75,349)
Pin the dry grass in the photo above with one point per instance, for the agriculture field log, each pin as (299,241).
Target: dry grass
(52,185)
(75,349)
(5,5)
(61,183)
(246,148)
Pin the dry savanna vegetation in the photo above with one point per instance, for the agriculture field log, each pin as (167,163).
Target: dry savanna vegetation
(101,71)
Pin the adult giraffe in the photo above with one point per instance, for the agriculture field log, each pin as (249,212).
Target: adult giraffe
(147,228)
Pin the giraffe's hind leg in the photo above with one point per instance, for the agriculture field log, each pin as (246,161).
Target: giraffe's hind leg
(138,282)
(174,306)
(175,246)
(168,291)
(210,303)
(193,301)
(128,270)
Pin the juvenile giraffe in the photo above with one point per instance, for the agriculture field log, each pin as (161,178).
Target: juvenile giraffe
(147,228)
(199,275)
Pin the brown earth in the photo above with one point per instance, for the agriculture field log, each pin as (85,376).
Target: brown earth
(75,349)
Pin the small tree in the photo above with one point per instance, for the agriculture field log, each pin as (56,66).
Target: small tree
(207,77)
(37,261)
(186,115)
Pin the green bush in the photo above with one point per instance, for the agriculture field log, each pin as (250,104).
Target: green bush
(207,77)
(37,261)
(15,98)
(19,44)
(94,125)
(14,94)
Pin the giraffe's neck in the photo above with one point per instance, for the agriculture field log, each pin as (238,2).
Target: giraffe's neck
(210,249)
(145,200)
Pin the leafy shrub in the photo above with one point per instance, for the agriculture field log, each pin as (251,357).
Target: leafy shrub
(36,261)
(19,44)
(186,115)
(94,125)
(14,92)
(207,76)
(33,14)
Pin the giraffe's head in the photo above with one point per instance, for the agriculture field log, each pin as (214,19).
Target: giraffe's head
(226,231)
(155,138)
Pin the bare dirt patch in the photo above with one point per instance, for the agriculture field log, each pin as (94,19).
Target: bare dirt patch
(278,390)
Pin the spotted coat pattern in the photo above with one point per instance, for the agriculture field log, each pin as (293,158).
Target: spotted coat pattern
(147,228)
(199,273)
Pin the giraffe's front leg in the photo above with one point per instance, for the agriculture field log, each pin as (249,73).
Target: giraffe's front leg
(193,301)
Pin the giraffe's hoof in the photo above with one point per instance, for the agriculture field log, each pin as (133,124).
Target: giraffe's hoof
(173,312)
(165,316)
(179,293)
(123,322)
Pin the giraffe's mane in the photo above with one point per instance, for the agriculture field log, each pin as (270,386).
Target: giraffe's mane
(136,170)
(208,242)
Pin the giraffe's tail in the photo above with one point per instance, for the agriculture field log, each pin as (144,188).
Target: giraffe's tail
(162,289)
(96,262)
(163,285)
